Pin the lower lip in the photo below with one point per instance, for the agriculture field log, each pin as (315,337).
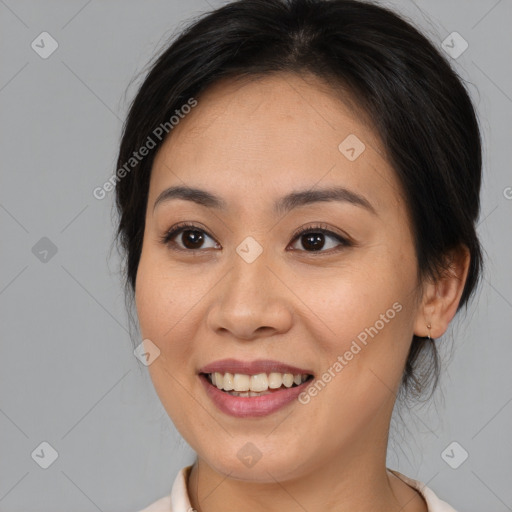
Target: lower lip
(244,407)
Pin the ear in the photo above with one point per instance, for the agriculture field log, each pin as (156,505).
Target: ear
(441,297)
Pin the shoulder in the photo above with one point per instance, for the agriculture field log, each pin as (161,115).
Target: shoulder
(434,504)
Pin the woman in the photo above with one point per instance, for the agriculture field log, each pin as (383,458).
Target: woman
(298,187)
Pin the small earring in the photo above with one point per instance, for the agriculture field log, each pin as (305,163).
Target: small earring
(428,335)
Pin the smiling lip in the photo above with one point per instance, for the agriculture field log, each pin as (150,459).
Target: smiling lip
(252,406)
(243,407)
(252,367)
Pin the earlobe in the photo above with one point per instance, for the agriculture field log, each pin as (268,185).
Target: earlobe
(441,297)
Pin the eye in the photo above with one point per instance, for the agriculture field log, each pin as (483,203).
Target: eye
(192,237)
(313,239)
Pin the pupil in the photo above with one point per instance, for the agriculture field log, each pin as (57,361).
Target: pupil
(314,240)
(193,235)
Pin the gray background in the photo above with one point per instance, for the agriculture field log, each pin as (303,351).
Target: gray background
(68,373)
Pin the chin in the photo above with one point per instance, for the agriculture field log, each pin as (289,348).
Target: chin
(270,467)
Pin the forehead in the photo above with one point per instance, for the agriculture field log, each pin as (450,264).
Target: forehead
(275,132)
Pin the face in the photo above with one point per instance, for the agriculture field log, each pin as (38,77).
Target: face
(327,286)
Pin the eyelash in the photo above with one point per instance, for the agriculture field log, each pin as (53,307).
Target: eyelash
(167,237)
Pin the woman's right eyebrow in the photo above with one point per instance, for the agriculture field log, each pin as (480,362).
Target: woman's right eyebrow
(283,205)
(196,195)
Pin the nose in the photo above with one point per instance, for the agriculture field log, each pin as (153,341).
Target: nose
(250,302)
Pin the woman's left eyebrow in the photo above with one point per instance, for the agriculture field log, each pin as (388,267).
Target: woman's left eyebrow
(283,205)
(305,197)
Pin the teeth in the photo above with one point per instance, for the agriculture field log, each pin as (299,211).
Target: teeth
(259,382)
(254,385)
(248,393)
(288,380)
(275,380)
(241,382)
(229,382)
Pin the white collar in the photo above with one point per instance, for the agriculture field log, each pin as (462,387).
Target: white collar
(179,501)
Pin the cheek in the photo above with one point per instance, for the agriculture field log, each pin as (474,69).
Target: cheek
(151,300)
(157,304)
(161,297)
(160,306)
(351,300)
(366,327)
(362,361)
(168,304)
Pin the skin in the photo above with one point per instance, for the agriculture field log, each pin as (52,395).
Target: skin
(251,143)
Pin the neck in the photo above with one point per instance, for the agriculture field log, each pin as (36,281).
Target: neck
(354,480)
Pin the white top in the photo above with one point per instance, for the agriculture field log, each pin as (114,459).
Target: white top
(178,500)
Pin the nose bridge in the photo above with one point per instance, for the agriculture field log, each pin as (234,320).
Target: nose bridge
(249,275)
(250,297)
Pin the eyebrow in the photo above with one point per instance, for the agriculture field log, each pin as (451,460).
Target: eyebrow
(281,206)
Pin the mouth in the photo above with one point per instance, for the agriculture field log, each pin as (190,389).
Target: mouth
(253,388)
(253,395)
(261,384)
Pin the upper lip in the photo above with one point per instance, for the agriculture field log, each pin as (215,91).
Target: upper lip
(252,367)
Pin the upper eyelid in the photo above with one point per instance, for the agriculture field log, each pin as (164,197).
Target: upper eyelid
(321,228)
(184,227)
